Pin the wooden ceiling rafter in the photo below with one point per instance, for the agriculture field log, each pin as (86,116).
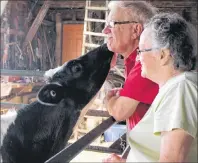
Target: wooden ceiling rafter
(37,22)
(70,4)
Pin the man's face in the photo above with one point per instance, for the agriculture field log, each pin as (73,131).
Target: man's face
(118,37)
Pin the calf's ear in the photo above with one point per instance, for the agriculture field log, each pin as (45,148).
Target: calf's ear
(50,94)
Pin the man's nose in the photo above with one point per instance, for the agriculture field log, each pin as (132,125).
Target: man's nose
(106,30)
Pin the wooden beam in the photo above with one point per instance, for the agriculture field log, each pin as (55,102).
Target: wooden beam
(117,144)
(65,4)
(68,153)
(98,3)
(71,4)
(58,39)
(68,4)
(46,22)
(12,32)
(5,72)
(3,6)
(37,22)
(82,114)
(72,22)
(97,113)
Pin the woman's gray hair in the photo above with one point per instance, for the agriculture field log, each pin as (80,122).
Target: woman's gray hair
(139,11)
(171,31)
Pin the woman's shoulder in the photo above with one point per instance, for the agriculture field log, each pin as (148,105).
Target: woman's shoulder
(188,77)
(191,76)
(178,86)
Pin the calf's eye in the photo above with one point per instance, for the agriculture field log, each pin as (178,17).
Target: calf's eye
(76,68)
(52,93)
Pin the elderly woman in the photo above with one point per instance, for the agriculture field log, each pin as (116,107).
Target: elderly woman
(168,55)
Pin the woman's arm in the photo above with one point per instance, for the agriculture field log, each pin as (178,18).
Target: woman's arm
(175,146)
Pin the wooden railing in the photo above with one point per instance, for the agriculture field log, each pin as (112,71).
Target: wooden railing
(67,154)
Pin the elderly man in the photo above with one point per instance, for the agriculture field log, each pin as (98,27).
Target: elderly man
(124,26)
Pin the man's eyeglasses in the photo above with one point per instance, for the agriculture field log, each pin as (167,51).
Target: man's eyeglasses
(112,24)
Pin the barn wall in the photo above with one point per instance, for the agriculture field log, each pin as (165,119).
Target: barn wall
(16,22)
(20,17)
(183,7)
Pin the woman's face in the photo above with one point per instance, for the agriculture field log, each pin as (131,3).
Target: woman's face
(149,58)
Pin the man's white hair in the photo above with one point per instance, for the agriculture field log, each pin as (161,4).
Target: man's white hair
(139,11)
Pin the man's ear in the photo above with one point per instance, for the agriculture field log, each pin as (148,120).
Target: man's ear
(137,30)
(50,94)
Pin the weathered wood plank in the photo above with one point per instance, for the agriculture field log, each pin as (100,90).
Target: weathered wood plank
(97,113)
(71,4)
(68,153)
(119,143)
(58,39)
(82,114)
(3,6)
(47,22)
(6,72)
(37,22)
(100,149)
(12,32)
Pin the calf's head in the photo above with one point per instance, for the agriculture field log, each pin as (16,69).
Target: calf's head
(79,79)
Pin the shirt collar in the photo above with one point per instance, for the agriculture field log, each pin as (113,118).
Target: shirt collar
(131,57)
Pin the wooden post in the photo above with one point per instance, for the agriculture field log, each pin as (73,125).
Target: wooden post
(85,28)
(37,22)
(81,117)
(3,6)
(58,39)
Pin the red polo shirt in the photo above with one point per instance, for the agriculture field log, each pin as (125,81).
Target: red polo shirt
(138,88)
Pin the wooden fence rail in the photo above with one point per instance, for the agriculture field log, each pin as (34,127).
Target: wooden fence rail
(68,153)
